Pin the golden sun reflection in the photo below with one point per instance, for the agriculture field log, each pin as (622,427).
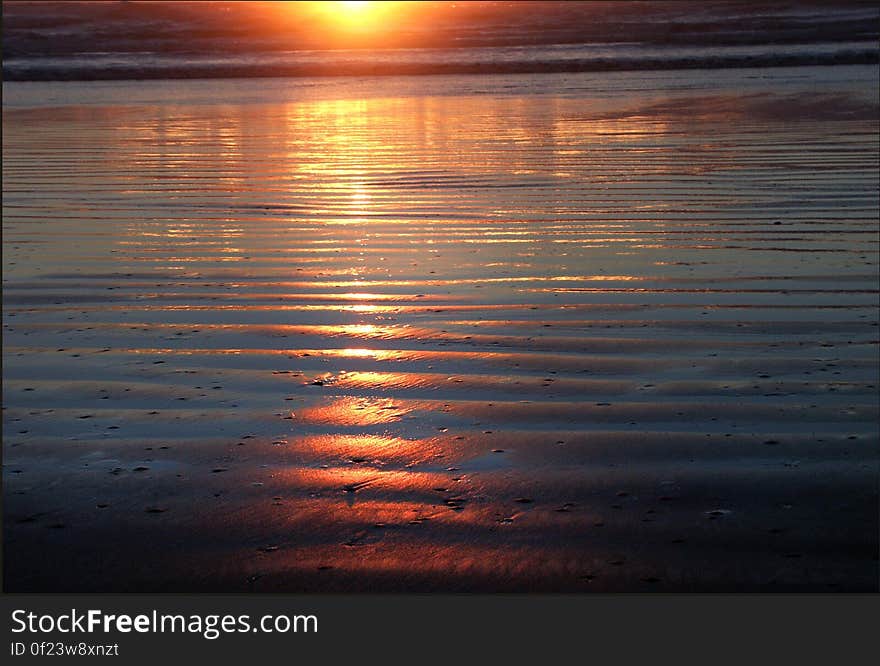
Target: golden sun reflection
(366,330)
(354,412)
(384,448)
(364,308)
(360,295)
(357,353)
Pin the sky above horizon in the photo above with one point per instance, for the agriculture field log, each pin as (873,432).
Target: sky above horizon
(56,28)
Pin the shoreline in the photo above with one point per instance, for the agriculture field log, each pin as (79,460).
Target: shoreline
(865,57)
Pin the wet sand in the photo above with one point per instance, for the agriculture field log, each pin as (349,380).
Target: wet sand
(588,332)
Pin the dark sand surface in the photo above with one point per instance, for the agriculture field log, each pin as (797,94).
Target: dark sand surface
(581,332)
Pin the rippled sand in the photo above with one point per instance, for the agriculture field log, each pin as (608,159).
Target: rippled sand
(558,333)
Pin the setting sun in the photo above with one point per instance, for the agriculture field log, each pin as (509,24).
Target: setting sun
(357,16)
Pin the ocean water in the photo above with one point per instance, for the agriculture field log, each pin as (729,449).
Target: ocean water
(475,60)
(566,332)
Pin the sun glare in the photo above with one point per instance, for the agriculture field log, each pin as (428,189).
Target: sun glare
(369,17)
